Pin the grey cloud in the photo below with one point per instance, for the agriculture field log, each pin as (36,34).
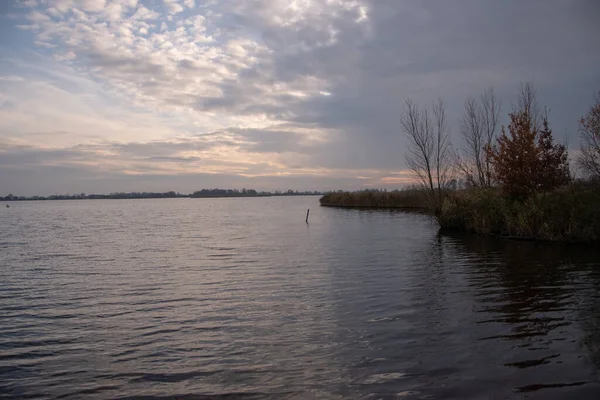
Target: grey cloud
(28,171)
(102,58)
(19,156)
(151,155)
(67,179)
(174,159)
(264,141)
(156,149)
(426,50)
(421,50)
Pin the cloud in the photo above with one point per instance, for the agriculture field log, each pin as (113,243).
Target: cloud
(92,5)
(143,13)
(174,159)
(162,67)
(172,6)
(283,88)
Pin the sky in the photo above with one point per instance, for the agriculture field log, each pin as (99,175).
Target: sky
(101,96)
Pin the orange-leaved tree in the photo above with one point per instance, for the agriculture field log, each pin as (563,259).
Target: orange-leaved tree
(553,170)
(527,159)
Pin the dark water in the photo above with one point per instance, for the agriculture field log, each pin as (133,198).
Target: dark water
(239,298)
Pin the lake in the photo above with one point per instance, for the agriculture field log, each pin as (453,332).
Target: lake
(239,298)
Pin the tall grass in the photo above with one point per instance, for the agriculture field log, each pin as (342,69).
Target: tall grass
(571,213)
(408,199)
(567,214)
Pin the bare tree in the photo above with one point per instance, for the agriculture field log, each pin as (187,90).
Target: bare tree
(589,133)
(478,130)
(491,111)
(444,165)
(470,158)
(429,154)
(529,105)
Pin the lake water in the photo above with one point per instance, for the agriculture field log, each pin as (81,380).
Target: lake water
(239,298)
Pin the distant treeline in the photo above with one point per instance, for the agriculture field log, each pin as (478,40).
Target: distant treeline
(163,195)
(83,196)
(248,193)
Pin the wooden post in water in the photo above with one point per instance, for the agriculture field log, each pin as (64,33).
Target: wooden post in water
(307,212)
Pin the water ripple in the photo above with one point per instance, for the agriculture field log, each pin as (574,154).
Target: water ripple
(240,299)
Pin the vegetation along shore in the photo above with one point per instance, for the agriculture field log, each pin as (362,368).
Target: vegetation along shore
(513,181)
(410,199)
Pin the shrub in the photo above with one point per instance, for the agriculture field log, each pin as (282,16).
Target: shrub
(527,159)
(408,198)
(570,213)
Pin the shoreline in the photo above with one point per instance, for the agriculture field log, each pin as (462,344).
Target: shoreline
(398,208)
(566,215)
(513,238)
(448,230)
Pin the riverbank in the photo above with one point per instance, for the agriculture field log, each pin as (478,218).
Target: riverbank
(569,214)
(409,199)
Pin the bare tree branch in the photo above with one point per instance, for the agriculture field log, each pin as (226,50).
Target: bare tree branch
(428,154)
(478,131)
(491,111)
(528,104)
(589,133)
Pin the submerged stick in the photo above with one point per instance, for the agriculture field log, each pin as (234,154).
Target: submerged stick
(307,212)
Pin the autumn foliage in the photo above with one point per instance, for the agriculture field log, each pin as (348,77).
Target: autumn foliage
(535,197)
(553,170)
(526,159)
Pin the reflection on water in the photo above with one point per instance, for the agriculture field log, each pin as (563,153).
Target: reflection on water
(239,298)
(532,302)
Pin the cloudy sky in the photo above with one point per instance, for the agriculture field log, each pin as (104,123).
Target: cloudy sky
(132,95)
